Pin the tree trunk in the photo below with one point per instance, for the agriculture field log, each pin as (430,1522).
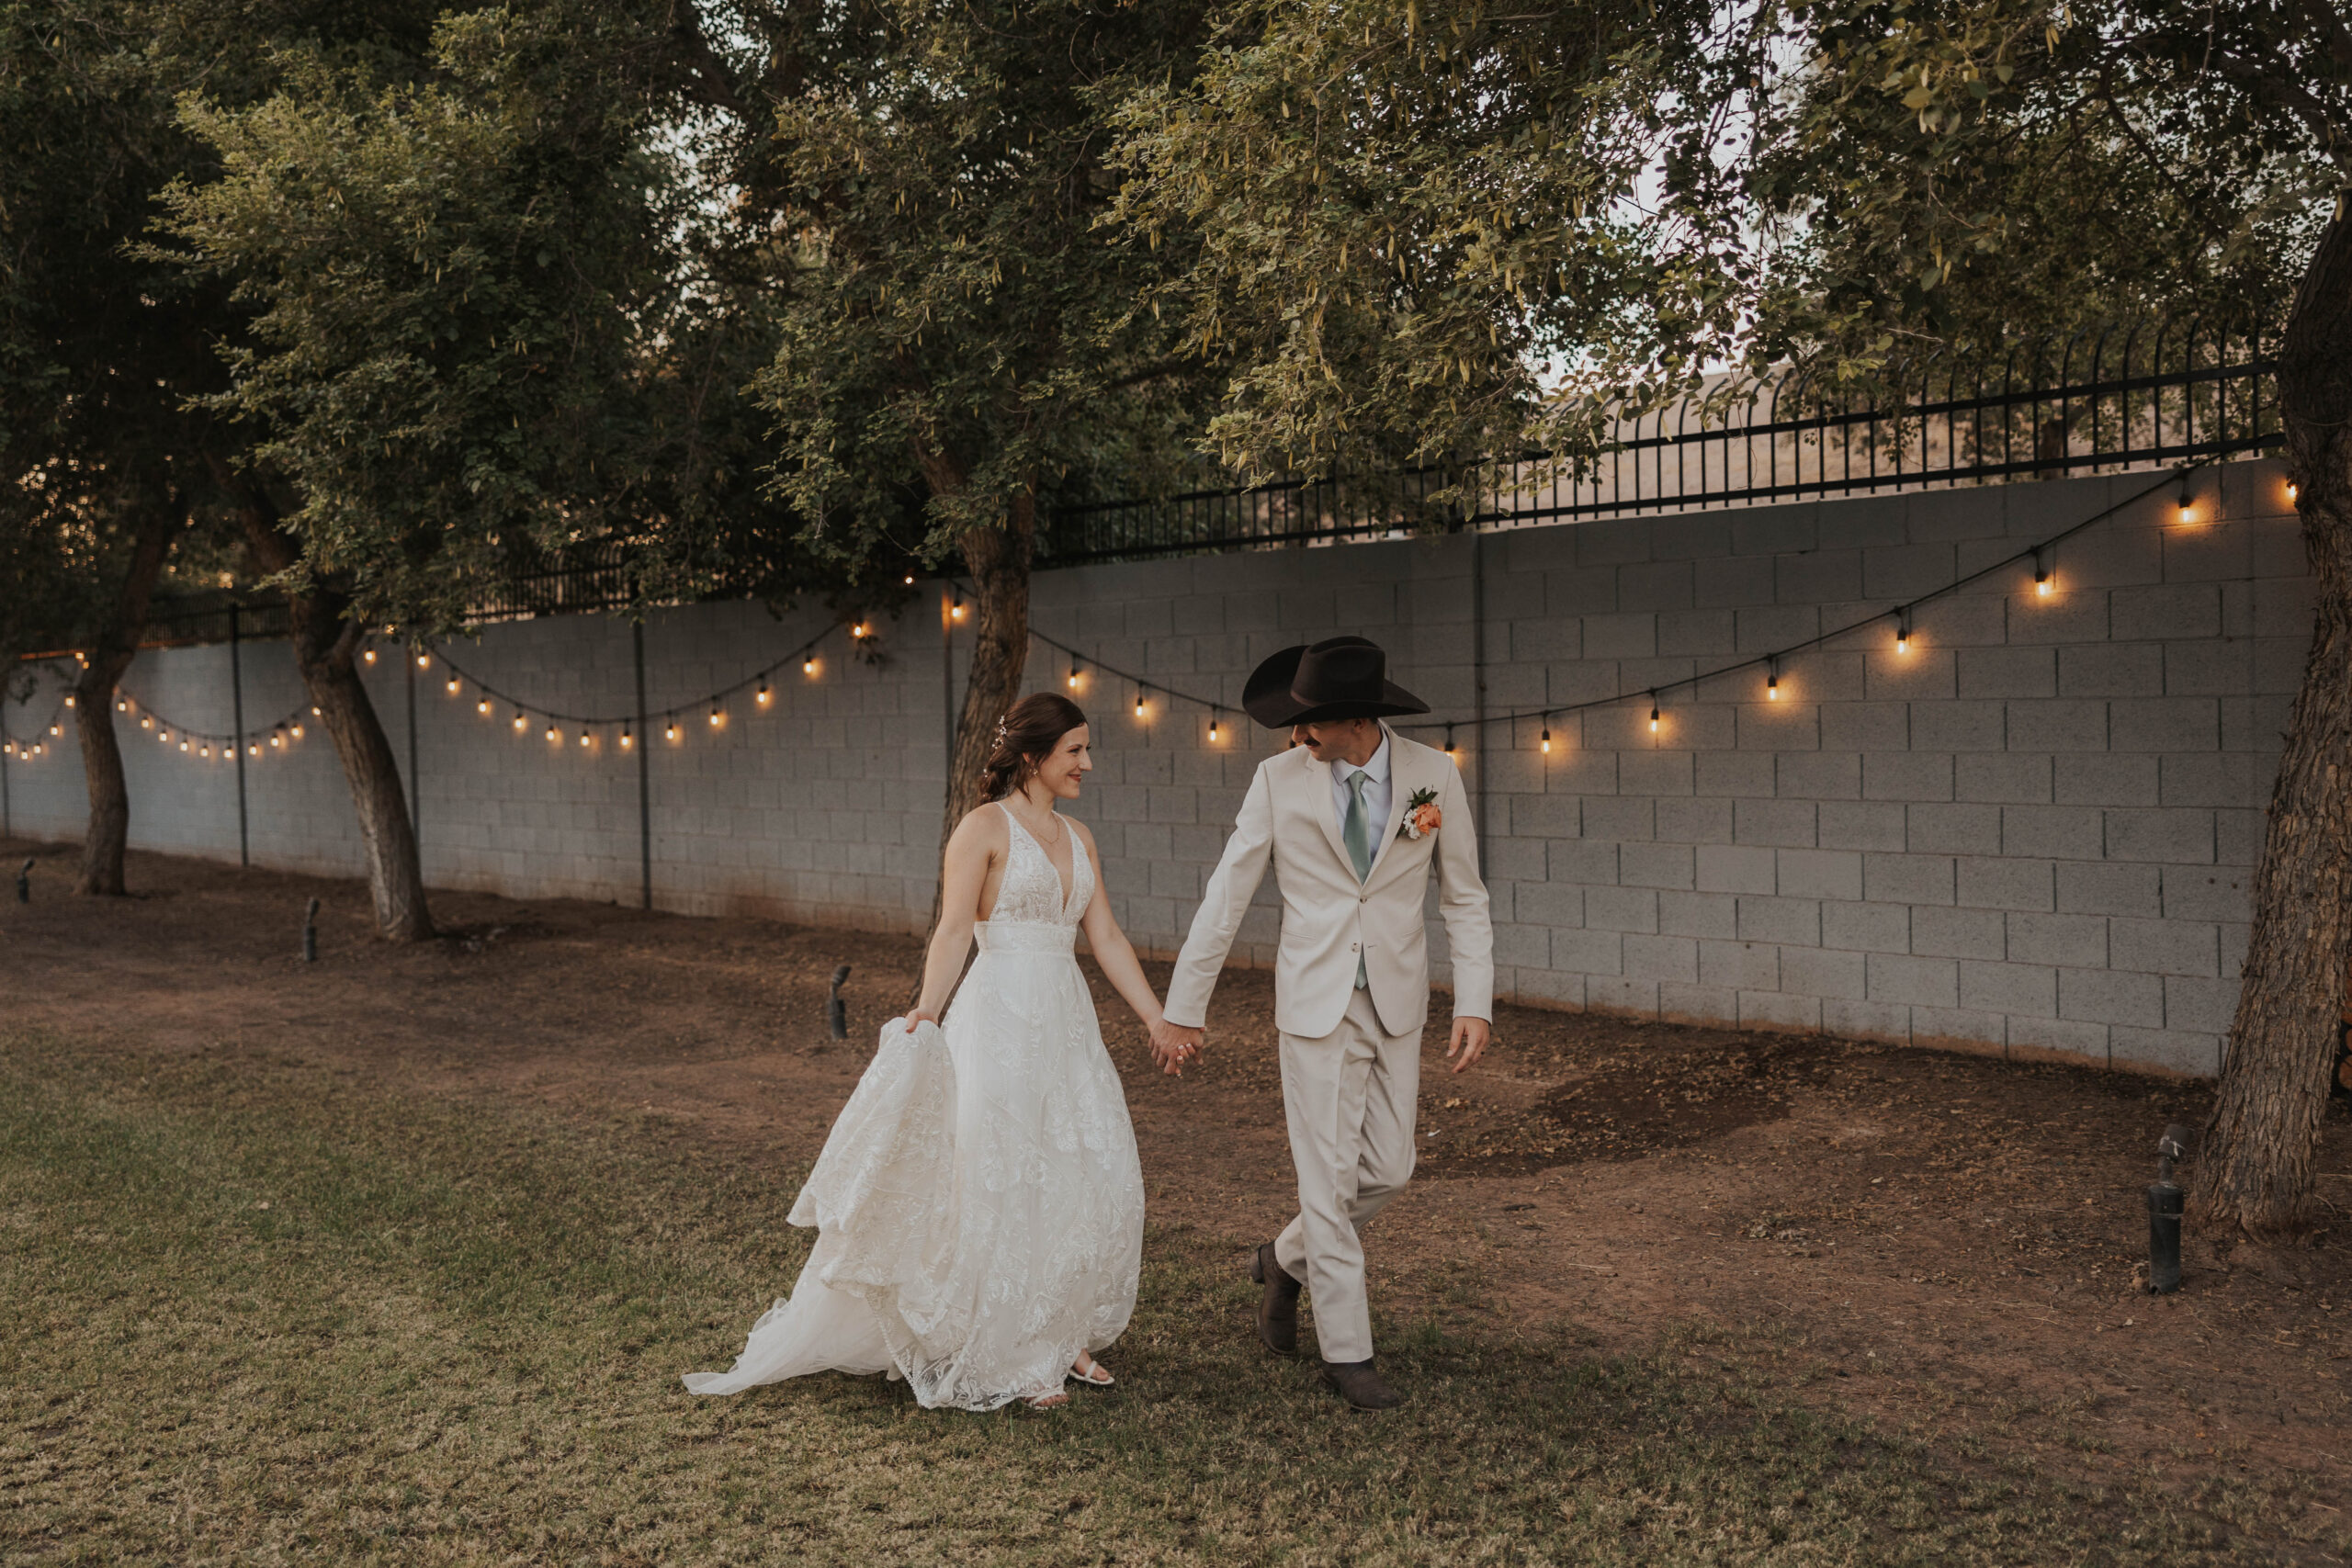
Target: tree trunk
(117,643)
(997,559)
(326,642)
(2254,1172)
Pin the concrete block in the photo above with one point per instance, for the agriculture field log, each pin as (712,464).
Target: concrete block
(2077,941)
(1907,571)
(1680,1003)
(2056,832)
(1582,861)
(1957,1026)
(1822,972)
(1999,882)
(1907,878)
(1620,636)
(2105,778)
(1626,818)
(1735,868)
(1920,674)
(2200,1005)
(2111,670)
(1698,914)
(2197,1054)
(1976,726)
(2106,996)
(1620,908)
(1865,727)
(1589,952)
(1907,775)
(1656,586)
(1655,865)
(1817,577)
(1651,957)
(2058,725)
(2166,612)
(1778,1011)
(2204,893)
(1861,824)
(2005,778)
(2234,936)
(2255,724)
(1735,774)
(1735,582)
(2167,835)
(2031,1037)
(2010,988)
(2164,724)
(1548,988)
(1748,965)
(1655,773)
(1932,828)
(1915,982)
(1780,727)
(1696,633)
(1813,776)
(1775,530)
(1695,820)
(1778,823)
(1637,998)
(1548,903)
(1867,1021)
(2165,947)
(1939,932)
(2000,673)
(1819,874)
(1522,945)
(1790,920)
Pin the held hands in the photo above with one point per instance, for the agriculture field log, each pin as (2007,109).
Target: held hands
(1173,1046)
(1470,1035)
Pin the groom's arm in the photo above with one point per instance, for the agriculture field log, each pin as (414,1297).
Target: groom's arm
(1225,900)
(1462,902)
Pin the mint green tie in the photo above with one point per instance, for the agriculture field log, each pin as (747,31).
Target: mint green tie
(1357,833)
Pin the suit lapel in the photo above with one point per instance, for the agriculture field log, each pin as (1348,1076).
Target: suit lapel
(1315,788)
(1399,786)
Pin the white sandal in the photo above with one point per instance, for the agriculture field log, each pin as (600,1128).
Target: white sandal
(1091,1373)
(1053,1401)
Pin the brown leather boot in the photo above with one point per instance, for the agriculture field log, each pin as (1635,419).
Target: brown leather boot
(1278,1304)
(1361,1386)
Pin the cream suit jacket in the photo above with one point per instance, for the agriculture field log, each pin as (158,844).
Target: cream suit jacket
(1328,918)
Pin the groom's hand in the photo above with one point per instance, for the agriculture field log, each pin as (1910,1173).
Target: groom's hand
(1468,1042)
(1172,1045)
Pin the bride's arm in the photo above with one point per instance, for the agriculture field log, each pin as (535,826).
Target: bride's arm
(962,873)
(1114,953)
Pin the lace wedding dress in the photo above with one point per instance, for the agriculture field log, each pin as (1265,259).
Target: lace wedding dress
(978,1203)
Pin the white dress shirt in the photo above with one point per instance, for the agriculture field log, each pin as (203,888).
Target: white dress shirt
(1377,792)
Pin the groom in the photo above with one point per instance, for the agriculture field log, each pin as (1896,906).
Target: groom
(1352,817)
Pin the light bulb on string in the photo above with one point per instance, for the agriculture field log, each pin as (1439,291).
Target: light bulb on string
(277,741)
(1903,631)
(956,608)
(1653,712)
(627,739)
(2293,491)
(1138,702)
(910,580)
(57,729)
(1772,684)
(1212,728)
(583,738)
(1076,670)
(122,704)
(424,662)
(254,749)
(1545,745)
(2187,505)
(69,699)
(670,729)
(314,711)
(453,685)
(715,715)
(183,745)
(809,665)
(205,750)
(146,722)
(298,732)
(519,721)
(370,655)
(858,631)
(551,733)
(482,706)
(763,698)
(2040,576)
(1449,742)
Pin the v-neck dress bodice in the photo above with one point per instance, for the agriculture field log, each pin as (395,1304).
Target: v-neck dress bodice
(1032,912)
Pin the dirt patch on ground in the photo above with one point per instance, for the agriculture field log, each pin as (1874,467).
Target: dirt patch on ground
(1950,1242)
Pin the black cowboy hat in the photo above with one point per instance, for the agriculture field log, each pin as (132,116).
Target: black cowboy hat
(1340,677)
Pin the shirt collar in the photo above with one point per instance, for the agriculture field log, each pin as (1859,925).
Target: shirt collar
(1377,768)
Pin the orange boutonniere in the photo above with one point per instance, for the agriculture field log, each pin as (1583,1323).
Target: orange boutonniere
(1421,814)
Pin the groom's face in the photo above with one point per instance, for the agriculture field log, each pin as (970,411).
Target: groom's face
(1346,739)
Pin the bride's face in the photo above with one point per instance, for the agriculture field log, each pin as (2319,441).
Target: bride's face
(1066,766)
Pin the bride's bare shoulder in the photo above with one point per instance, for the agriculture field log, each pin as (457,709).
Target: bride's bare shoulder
(984,824)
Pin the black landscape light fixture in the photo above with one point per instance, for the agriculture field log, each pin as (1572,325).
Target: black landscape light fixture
(2166,1201)
(836,1009)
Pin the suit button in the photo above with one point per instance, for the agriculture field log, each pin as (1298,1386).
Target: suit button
(1355,947)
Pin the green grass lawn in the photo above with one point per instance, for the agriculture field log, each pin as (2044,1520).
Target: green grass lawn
(255,1310)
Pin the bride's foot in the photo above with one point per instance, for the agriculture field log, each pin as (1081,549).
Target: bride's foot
(1053,1401)
(1089,1370)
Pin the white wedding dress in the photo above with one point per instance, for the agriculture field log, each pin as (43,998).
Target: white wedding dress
(978,1203)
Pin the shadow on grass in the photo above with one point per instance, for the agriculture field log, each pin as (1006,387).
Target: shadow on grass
(255,1310)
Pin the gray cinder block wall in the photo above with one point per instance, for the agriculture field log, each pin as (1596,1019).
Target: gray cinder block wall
(2032,831)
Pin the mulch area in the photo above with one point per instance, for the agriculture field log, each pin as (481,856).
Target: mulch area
(1953,1243)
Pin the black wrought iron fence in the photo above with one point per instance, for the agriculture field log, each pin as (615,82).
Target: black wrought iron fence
(2107,399)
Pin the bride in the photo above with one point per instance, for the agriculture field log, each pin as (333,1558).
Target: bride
(979,1202)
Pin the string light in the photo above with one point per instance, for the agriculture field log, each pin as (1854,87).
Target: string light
(910,580)
(1546,744)
(2188,506)
(809,665)
(424,662)
(583,738)
(1213,717)
(453,685)
(519,721)
(1138,702)
(482,706)
(370,655)
(763,698)
(255,749)
(57,729)
(183,745)
(122,704)
(956,609)
(1449,742)
(1903,630)
(551,735)
(627,739)
(1772,682)
(277,741)
(2293,491)
(147,721)
(1653,712)
(2040,576)
(1076,670)
(669,731)
(714,715)
(69,699)
(205,750)
(858,631)
(298,732)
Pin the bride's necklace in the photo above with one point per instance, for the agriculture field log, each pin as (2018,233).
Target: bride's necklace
(1052,816)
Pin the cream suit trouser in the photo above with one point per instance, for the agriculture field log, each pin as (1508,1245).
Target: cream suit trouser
(1348,1099)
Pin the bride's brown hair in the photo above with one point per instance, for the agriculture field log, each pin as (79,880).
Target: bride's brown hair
(1025,737)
